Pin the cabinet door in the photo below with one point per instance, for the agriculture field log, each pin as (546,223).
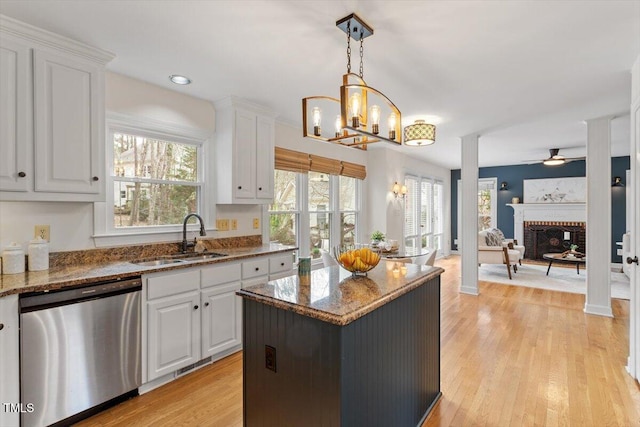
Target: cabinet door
(244,158)
(173,333)
(67,124)
(221,319)
(15,120)
(9,360)
(264,157)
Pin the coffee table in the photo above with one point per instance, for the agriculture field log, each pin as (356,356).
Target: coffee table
(557,257)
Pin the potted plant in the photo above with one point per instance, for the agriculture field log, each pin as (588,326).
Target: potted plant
(376,238)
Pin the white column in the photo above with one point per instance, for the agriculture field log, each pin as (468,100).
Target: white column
(598,299)
(469,214)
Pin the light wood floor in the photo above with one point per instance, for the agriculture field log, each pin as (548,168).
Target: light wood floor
(512,356)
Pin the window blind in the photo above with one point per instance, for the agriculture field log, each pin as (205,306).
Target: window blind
(296,161)
(292,161)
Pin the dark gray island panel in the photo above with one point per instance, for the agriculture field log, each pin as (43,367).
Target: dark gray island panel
(381,369)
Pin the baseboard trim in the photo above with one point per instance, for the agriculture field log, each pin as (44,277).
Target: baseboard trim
(598,310)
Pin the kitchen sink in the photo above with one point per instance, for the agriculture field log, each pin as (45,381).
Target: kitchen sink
(177,258)
(157,262)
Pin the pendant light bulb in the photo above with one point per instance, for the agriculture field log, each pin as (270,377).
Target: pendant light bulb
(375,119)
(392,125)
(338,126)
(317,118)
(354,104)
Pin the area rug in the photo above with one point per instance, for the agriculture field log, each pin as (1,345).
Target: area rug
(559,279)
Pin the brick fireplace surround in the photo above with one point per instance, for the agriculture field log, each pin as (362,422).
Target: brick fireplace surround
(549,227)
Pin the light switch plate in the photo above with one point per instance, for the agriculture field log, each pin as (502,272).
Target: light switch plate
(234,224)
(256,222)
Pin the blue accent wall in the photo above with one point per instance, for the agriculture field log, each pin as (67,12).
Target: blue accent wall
(514,175)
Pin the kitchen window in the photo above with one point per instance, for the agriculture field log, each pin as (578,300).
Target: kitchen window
(155,177)
(316,207)
(424,222)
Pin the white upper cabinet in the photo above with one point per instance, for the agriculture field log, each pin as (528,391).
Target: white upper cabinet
(52,116)
(15,120)
(67,136)
(244,152)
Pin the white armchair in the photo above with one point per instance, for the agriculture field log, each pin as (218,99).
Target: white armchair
(502,253)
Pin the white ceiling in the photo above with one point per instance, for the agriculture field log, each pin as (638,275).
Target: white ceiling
(522,74)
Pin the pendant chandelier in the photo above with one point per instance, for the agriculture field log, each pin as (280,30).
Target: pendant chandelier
(363,114)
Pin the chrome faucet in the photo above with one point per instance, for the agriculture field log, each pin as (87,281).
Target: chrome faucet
(186,245)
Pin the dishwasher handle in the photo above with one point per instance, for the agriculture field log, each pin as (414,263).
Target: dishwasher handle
(47,299)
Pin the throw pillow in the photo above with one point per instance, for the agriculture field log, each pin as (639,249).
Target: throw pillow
(499,233)
(492,239)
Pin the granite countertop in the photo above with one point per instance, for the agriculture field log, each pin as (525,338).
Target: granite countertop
(84,273)
(334,296)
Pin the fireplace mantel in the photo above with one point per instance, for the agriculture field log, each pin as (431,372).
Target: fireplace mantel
(545,212)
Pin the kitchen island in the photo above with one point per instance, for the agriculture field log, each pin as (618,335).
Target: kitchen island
(343,351)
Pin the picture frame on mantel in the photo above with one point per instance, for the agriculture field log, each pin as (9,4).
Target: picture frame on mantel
(555,190)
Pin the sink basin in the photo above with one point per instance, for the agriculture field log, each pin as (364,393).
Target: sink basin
(201,257)
(176,258)
(156,262)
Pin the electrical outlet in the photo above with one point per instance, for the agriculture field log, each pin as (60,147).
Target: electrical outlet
(270,358)
(234,224)
(256,222)
(42,231)
(222,224)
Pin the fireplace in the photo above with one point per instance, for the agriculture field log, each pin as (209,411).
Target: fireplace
(541,237)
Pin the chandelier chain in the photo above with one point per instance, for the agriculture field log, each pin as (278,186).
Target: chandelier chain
(348,47)
(361,55)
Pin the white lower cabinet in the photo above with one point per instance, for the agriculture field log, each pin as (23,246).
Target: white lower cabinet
(9,362)
(221,319)
(194,313)
(173,333)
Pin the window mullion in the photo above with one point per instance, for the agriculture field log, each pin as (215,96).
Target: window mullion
(304,222)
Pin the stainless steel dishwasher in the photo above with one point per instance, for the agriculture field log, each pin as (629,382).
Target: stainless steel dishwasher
(79,350)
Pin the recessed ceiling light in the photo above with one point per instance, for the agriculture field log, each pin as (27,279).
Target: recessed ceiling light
(180,80)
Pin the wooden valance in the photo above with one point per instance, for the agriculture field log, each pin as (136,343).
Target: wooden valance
(296,161)
(293,161)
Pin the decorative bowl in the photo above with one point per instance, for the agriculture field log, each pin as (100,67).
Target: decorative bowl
(357,261)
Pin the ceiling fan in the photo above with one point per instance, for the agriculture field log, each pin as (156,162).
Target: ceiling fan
(556,159)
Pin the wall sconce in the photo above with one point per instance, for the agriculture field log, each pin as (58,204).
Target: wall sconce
(399,190)
(617,182)
(503,186)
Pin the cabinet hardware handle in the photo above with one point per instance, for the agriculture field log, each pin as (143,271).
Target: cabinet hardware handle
(206,304)
(22,174)
(95,178)
(1,326)
(282,264)
(195,307)
(257,268)
(259,188)
(239,187)
(632,260)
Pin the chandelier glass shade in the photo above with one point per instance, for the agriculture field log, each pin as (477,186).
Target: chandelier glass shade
(362,115)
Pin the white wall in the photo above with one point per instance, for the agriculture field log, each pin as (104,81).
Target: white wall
(386,213)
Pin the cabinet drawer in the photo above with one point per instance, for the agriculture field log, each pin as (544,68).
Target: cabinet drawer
(212,276)
(281,263)
(255,268)
(173,283)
